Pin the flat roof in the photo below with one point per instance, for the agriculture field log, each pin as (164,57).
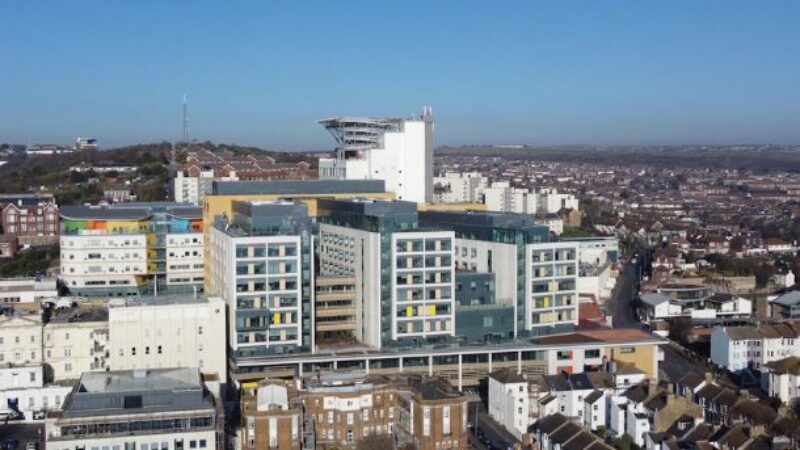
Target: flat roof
(131,211)
(126,392)
(298,187)
(80,313)
(160,300)
(654,298)
(591,339)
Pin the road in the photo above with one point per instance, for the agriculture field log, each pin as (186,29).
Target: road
(676,362)
(621,301)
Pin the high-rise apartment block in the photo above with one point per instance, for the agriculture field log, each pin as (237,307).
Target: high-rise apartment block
(460,187)
(261,264)
(396,150)
(535,276)
(132,249)
(501,196)
(404,274)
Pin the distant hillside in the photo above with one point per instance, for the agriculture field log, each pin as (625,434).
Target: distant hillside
(24,174)
(288,157)
(752,158)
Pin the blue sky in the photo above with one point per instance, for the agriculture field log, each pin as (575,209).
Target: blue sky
(506,72)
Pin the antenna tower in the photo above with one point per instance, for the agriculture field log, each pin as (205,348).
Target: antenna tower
(185,121)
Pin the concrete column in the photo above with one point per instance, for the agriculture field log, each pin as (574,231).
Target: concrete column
(430,365)
(300,369)
(335,364)
(460,374)
(401,363)
(519,362)
(490,362)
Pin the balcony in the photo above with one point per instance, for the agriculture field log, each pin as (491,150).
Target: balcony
(334,311)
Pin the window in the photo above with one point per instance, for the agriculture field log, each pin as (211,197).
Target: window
(202,443)
(159,349)
(133,351)
(67,367)
(192,444)
(595,353)
(446,420)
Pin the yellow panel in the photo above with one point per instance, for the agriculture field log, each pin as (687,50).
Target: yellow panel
(409,311)
(431,310)
(547,302)
(276,319)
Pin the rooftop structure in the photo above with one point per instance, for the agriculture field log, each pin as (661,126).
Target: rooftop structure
(396,150)
(110,407)
(298,187)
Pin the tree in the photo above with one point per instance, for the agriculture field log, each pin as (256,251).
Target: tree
(77,177)
(626,443)
(679,329)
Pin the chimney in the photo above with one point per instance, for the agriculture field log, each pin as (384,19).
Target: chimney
(709,377)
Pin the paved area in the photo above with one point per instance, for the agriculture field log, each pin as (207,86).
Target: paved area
(499,436)
(624,315)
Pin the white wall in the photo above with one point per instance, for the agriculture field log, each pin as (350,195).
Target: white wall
(180,334)
(104,258)
(26,290)
(721,348)
(20,340)
(72,348)
(509,405)
(184,258)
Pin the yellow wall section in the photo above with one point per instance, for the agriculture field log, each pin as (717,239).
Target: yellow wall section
(124,226)
(643,357)
(451,207)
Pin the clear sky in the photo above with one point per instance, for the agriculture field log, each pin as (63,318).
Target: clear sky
(506,72)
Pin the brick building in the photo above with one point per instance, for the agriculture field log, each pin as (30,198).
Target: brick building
(271,413)
(341,410)
(33,219)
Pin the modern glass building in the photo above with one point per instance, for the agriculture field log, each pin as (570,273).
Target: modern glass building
(404,274)
(262,266)
(535,276)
